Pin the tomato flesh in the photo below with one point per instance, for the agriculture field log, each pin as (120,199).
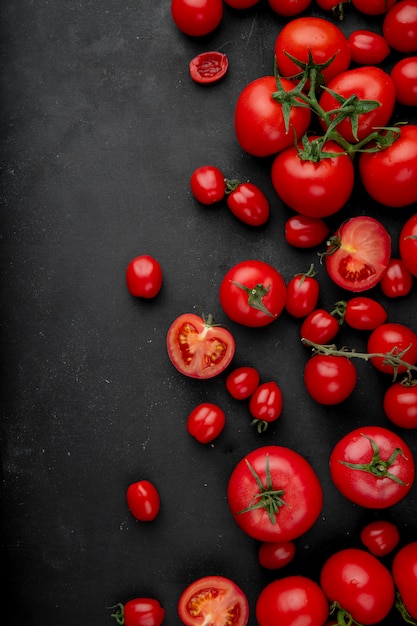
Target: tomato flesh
(208,67)
(214,601)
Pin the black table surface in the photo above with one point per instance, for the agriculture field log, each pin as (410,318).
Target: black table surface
(101,129)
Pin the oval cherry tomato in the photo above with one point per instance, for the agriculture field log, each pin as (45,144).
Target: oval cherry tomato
(363,313)
(197,17)
(408,244)
(143,500)
(248,203)
(400,404)
(380,537)
(396,338)
(320,327)
(208,184)
(206,421)
(372,467)
(358,254)
(242,382)
(289,8)
(253,293)
(208,67)
(400,26)
(303,292)
(144,276)
(274,494)
(397,280)
(373,7)
(265,404)
(404,77)
(139,612)
(367,47)
(329,379)
(302,231)
(213,600)
(276,554)
(197,348)
(404,571)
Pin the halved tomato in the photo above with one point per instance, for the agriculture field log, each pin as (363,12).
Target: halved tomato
(208,67)
(213,600)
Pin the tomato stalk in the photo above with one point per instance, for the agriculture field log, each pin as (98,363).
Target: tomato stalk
(119,613)
(343,617)
(255,295)
(399,605)
(268,498)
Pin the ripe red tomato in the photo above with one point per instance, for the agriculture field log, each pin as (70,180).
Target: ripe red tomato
(291,600)
(242,382)
(397,280)
(213,600)
(197,17)
(372,467)
(395,338)
(318,187)
(358,254)
(373,7)
(320,327)
(208,184)
(144,276)
(363,313)
(302,231)
(265,404)
(288,8)
(198,348)
(404,571)
(143,500)
(360,584)
(259,120)
(276,554)
(400,26)
(241,4)
(367,47)
(400,404)
(139,612)
(206,421)
(329,379)
(404,77)
(274,494)
(248,203)
(303,292)
(408,244)
(208,67)
(380,537)
(253,293)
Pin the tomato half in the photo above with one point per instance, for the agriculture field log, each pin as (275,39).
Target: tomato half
(398,339)
(380,537)
(144,276)
(198,348)
(206,421)
(329,379)
(139,612)
(213,600)
(208,67)
(408,244)
(143,500)
(404,571)
(400,404)
(367,47)
(197,17)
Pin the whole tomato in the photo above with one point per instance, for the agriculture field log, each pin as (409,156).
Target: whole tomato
(394,338)
(404,77)
(380,537)
(208,184)
(265,404)
(214,600)
(276,554)
(329,379)
(248,203)
(139,612)
(144,277)
(302,231)
(302,294)
(397,280)
(143,500)
(242,382)
(400,403)
(408,244)
(206,421)
(367,47)
(320,327)
(197,17)
(400,26)
(404,571)
(361,312)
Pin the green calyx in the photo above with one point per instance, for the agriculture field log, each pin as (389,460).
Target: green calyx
(399,605)
(343,617)
(267,498)
(119,613)
(255,295)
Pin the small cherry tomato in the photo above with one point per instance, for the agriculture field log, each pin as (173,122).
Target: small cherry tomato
(289,8)
(276,554)
(302,231)
(319,326)
(247,202)
(143,500)
(367,47)
(139,612)
(400,26)
(397,280)
(213,600)
(265,404)
(302,294)
(197,17)
(404,571)
(206,421)
(144,277)
(362,313)
(394,338)
(208,184)
(242,382)
(408,244)
(208,67)
(400,404)
(380,537)
(329,379)
(404,77)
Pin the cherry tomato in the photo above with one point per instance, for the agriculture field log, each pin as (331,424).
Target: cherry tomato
(208,184)
(373,7)
(253,293)
(320,327)
(274,494)
(265,404)
(395,338)
(404,77)
(397,280)
(400,404)
(206,421)
(360,584)
(358,254)
(380,537)
(329,379)
(408,244)
(404,571)
(372,467)
(302,231)
(197,17)
(144,277)
(241,4)
(288,8)
(242,382)
(303,292)
(276,554)
(143,500)
(367,47)
(291,600)
(198,348)
(248,203)
(139,612)
(363,313)
(208,67)
(400,26)
(213,600)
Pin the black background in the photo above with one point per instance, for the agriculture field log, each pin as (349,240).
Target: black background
(101,128)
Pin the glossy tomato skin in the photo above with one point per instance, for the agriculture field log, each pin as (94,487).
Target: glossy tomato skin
(320,327)
(397,280)
(214,600)
(373,7)
(329,379)
(291,600)
(381,485)
(392,336)
(400,26)
(240,303)
(404,77)
(197,17)
(359,583)
(302,231)
(289,8)
(259,120)
(206,421)
(408,244)
(208,184)
(380,537)
(140,612)
(404,571)
(241,4)
(302,295)
(197,348)
(208,67)
(249,204)
(143,500)
(367,47)
(242,382)
(265,404)
(292,477)
(144,277)
(400,404)
(363,313)
(276,554)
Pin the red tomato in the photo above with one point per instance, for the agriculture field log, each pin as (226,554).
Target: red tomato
(404,571)
(274,494)
(408,244)
(206,421)
(241,4)
(259,120)
(318,187)
(400,404)
(265,404)
(303,292)
(360,584)
(404,77)
(400,26)
(372,467)
(358,254)
(143,500)
(291,600)
(276,554)
(197,348)
(213,600)
(197,17)
(144,277)
(302,231)
(373,7)
(329,379)
(208,67)
(397,281)
(289,7)
(253,293)
(248,203)
(208,184)
(380,537)
(242,382)
(367,47)
(364,313)
(394,338)
(390,175)
(319,327)
(139,612)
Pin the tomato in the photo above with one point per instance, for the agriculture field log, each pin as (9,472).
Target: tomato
(317,35)
(143,500)
(253,293)
(208,67)
(276,554)
(320,327)
(289,8)
(242,382)
(404,571)
(144,277)
(367,47)
(303,292)
(390,175)
(291,600)
(265,404)
(366,83)
(206,421)
(360,584)
(380,537)
(197,17)
(198,348)
(373,7)
(249,204)
(363,313)
(404,77)
(241,4)
(392,338)
(372,467)
(408,244)
(139,612)
(259,119)
(397,280)
(302,231)
(274,494)
(358,254)
(400,404)
(213,600)
(208,184)
(400,26)
(329,379)
(316,188)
